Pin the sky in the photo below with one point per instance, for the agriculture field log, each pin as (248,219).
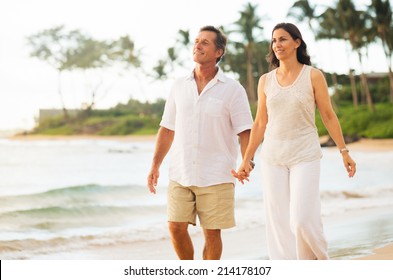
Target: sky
(27,84)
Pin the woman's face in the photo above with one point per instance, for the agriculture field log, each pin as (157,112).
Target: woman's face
(283,45)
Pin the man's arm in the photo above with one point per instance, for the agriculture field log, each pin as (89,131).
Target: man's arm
(244,137)
(163,144)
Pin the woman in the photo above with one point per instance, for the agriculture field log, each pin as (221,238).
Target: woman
(291,152)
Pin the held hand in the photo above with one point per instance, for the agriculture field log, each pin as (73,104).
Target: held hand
(349,164)
(240,175)
(152,179)
(243,172)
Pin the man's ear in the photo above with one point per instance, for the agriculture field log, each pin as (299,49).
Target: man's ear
(219,53)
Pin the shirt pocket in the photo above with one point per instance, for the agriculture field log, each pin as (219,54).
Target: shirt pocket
(214,107)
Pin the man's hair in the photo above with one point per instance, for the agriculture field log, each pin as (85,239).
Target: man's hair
(221,39)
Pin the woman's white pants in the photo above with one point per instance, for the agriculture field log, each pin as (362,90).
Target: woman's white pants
(293,211)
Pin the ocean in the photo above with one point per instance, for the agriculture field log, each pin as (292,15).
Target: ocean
(62,195)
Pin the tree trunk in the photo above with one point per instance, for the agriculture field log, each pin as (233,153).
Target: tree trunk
(334,81)
(366,89)
(388,55)
(250,77)
(391,84)
(370,103)
(353,89)
(335,93)
(260,65)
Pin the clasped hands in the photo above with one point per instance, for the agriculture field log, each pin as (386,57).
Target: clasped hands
(243,173)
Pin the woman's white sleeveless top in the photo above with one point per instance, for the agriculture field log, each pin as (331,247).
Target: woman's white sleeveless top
(291,135)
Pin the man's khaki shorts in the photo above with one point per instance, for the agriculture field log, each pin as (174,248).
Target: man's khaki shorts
(214,205)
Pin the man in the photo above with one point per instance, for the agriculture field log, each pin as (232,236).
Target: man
(205,115)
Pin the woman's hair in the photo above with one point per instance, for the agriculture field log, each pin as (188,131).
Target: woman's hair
(221,39)
(301,52)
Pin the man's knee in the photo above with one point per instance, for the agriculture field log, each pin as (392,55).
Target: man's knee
(177,228)
(212,234)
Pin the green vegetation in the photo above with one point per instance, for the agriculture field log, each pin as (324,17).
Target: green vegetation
(124,119)
(362,122)
(138,118)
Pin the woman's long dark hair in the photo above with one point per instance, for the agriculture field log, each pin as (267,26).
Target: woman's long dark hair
(301,52)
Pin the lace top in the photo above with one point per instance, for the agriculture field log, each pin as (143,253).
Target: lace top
(291,135)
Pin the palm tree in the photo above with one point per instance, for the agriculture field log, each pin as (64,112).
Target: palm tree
(381,13)
(360,37)
(183,43)
(184,37)
(174,56)
(330,30)
(353,26)
(247,25)
(302,9)
(345,22)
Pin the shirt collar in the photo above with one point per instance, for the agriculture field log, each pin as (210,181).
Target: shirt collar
(220,76)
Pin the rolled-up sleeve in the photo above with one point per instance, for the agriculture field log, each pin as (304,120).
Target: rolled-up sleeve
(169,117)
(241,117)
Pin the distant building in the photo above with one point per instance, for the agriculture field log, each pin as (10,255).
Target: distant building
(375,76)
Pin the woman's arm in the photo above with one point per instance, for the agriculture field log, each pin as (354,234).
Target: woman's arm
(256,135)
(330,119)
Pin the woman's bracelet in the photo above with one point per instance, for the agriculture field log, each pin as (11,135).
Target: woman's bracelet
(344,150)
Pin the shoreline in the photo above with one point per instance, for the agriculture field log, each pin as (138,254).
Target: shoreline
(248,243)
(360,234)
(366,144)
(381,253)
(363,144)
(125,138)
(372,145)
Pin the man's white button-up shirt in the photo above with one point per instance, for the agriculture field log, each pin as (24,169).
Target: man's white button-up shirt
(206,126)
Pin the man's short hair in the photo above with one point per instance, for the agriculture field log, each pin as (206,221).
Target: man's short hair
(221,39)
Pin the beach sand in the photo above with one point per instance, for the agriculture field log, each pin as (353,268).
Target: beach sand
(384,253)
(250,244)
(362,144)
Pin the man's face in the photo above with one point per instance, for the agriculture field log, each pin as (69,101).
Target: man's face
(205,50)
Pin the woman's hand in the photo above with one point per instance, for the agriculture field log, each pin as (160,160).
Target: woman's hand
(243,172)
(349,164)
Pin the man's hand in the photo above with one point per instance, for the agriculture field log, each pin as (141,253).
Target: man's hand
(152,179)
(244,171)
(240,175)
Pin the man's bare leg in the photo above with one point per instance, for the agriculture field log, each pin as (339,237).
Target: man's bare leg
(181,240)
(213,244)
